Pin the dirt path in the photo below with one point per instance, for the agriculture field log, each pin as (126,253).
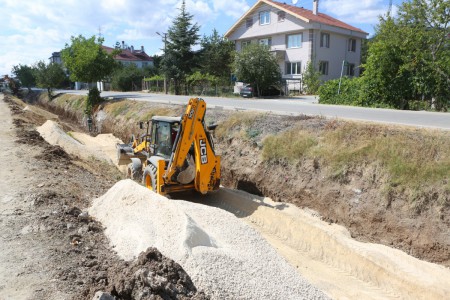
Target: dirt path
(23,261)
(49,247)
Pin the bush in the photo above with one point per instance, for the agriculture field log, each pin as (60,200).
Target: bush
(349,93)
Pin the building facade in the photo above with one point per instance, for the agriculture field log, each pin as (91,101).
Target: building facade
(129,55)
(297,35)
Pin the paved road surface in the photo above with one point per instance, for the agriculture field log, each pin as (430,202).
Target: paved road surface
(306,105)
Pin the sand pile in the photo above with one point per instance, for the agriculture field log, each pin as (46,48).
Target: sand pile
(224,256)
(101,147)
(330,258)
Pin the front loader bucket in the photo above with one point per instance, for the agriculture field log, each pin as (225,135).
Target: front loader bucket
(124,153)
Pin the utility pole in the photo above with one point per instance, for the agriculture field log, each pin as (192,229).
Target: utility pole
(340,78)
(165,46)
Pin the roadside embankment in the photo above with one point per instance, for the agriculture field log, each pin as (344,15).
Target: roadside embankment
(323,252)
(386,184)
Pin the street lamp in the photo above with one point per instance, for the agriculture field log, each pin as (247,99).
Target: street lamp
(165,45)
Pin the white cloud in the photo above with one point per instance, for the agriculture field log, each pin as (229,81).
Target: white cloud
(33,29)
(233,9)
(351,11)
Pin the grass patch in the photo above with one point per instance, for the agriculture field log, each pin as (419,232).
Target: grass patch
(118,108)
(74,102)
(238,124)
(418,160)
(158,111)
(290,145)
(412,158)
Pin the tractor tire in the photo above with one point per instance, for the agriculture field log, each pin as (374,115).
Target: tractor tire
(149,177)
(134,169)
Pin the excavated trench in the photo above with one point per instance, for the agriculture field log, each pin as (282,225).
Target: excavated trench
(356,199)
(315,247)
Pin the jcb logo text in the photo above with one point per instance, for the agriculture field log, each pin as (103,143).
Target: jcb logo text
(203,155)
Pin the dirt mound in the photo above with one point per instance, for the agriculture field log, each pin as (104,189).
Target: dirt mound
(52,153)
(150,275)
(224,257)
(29,137)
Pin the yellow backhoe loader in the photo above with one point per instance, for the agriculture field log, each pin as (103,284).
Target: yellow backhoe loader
(175,154)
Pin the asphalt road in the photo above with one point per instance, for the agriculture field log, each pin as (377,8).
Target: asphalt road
(306,105)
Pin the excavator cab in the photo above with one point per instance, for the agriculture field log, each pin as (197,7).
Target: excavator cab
(163,134)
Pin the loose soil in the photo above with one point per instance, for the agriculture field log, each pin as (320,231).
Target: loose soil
(356,199)
(50,248)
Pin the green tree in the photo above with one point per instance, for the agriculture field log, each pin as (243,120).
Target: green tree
(127,78)
(257,66)
(216,56)
(49,76)
(426,36)
(179,57)
(385,81)
(409,59)
(25,74)
(311,79)
(88,62)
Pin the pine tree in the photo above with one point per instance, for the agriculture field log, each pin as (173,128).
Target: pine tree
(179,57)
(217,56)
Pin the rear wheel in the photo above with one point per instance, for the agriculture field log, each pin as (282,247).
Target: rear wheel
(149,177)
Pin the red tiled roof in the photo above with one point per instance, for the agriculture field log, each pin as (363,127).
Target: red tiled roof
(319,18)
(127,55)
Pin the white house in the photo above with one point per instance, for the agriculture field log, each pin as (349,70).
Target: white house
(297,36)
(129,55)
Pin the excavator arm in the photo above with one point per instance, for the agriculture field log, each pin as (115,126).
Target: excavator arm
(193,132)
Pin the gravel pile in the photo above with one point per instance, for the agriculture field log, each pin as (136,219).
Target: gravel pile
(224,257)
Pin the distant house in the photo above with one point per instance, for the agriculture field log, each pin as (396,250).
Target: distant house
(55,58)
(297,35)
(128,56)
(131,56)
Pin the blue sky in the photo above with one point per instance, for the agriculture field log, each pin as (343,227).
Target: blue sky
(31,30)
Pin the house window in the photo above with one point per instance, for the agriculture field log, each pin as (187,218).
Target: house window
(245,44)
(350,70)
(325,40)
(293,68)
(352,45)
(266,41)
(281,16)
(249,22)
(294,40)
(264,18)
(323,67)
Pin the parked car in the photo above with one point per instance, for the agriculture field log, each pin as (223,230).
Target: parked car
(249,91)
